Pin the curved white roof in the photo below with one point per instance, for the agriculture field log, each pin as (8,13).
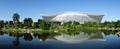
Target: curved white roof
(73,16)
(69,12)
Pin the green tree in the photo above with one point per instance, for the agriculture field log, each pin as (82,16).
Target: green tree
(6,24)
(1,23)
(16,17)
(96,24)
(11,24)
(18,25)
(41,24)
(108,24)
(76,23)
(28,22)
(53,25)
(88,24)
(25,23)
(35,25)
(118,23)
(67,24)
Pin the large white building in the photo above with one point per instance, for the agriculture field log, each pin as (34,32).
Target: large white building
(72,16)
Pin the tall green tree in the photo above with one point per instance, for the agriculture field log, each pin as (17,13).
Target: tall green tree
(1,23)
(16,17)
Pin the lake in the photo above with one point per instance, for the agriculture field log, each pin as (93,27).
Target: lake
(81,40)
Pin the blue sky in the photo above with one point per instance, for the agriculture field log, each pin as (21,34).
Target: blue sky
(33,8)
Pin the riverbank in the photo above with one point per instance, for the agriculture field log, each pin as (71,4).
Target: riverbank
(106,28)
(13,30)
(21,30)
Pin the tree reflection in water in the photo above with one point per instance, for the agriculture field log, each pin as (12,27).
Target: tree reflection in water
(17,36)
(16,42)
(28,37)
(44,36)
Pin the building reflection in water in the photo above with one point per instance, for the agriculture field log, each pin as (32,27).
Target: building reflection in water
(81,37)
(62,37)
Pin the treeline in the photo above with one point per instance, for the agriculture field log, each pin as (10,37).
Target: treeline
(28,23)
(114,24)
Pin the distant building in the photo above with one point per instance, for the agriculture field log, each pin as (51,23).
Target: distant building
(72,16)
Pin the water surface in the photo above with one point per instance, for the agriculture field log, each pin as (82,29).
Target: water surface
(81,40)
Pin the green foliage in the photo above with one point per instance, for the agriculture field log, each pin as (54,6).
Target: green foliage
(111,24)
(28,37)
(16,21)
(67,24)
(53,25)
(43,36)
(16,17)
(42,24)
(18,25)
(35,25)
(118,23)
(1,23)
(72,25)
(28,22)
(11,23)
(88,24)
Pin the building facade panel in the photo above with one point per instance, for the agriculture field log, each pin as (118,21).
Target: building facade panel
(73,16)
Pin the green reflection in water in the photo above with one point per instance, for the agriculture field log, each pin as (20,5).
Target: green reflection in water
(44,36)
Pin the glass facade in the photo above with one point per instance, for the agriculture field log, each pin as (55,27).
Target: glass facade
(73,16)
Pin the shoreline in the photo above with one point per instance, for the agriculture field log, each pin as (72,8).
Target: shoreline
(21,30)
